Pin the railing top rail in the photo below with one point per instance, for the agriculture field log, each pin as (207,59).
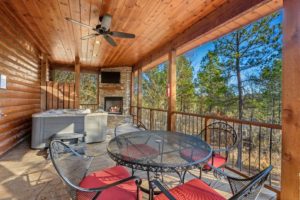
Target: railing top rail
(155,109)
(223,118)
(229,119)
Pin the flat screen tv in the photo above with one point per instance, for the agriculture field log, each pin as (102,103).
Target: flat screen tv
(110,77)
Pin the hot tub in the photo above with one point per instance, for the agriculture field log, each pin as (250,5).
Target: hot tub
(48,123)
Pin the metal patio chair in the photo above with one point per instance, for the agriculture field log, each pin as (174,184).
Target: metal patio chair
(242,188)
(110,183)
(222,138)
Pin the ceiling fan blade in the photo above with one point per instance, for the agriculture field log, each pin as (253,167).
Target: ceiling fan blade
(89,36)
(110,40)
(79,23)
(121,34)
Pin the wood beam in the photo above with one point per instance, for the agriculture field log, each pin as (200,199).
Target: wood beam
(44,72)
(77,82)
(131,91)
(290,170)
(171,124)
(227,12)
(139,95)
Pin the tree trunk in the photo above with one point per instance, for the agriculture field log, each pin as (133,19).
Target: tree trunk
(240,101)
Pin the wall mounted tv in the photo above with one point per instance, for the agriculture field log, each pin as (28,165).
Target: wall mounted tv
(110,77)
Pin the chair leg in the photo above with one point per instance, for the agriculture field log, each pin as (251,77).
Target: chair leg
(200,172)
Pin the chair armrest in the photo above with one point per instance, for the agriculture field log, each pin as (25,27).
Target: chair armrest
(163,189)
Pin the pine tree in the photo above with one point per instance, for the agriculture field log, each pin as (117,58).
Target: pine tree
(185,95)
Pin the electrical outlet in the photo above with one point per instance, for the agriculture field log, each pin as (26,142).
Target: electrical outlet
(2,81)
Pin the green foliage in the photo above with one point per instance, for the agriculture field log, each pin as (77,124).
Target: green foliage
(63,76)
(88,88)
(212,83)
(243,53)
(155,86)
(185,95)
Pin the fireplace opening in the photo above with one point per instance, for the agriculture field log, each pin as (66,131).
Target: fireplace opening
(113,105)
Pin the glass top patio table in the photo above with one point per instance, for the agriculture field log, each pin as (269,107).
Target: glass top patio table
(159,151)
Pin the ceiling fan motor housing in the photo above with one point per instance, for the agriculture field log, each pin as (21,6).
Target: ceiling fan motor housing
(106,22)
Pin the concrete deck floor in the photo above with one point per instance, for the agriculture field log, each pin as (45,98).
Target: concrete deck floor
(27,174)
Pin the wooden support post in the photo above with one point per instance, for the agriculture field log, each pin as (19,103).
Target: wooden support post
(44,71)
(139,95)
(77,82)
(98,84)
(171,90)
(290,167)
(131,92)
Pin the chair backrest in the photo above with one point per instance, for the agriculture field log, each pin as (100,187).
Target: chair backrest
(70,165)
(248,189)
(128,127)
(220,135)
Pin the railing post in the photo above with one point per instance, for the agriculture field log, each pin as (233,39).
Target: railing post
(171,91)
(77,82)
(207,121)
(151,119)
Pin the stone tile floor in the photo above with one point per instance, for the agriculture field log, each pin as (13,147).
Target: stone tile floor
(27,174)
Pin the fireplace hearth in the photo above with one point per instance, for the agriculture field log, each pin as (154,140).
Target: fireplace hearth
(113,105)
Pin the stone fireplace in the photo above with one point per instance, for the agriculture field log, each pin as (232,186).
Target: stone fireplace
(114,96)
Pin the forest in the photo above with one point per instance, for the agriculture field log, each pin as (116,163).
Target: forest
(239,75)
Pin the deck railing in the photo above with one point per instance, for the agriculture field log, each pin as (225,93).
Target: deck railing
(259,146)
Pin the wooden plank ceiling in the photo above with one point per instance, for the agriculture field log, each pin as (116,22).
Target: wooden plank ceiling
(154,22)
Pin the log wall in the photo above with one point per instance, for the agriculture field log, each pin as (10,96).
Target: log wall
(19,61)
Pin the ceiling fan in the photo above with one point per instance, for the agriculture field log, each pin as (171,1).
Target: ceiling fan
(103,28)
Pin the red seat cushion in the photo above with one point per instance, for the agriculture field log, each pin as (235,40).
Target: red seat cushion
(127,190)
(219,161)
(194,189)
(193,154)
(138,151)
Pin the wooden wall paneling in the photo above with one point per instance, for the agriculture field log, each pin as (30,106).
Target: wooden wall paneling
(19,61)
(9,13)
(49,95)
(60,95)
(74,7)
(290,167)
(66,95)
(55,93)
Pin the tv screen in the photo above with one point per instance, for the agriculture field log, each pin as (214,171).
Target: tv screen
(110,77)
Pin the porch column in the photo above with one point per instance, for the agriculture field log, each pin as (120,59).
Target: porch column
(290,181)
(139,95)
(131,91)
(44,71)
(171,91)
(77,82)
